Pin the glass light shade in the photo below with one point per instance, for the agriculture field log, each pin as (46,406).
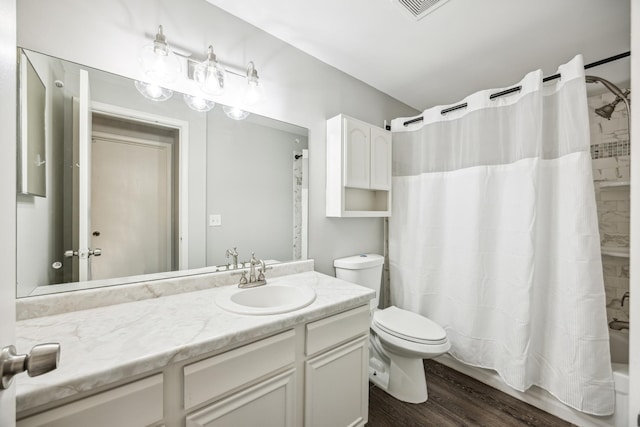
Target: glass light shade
(253,91)
(198,103)
(157,62)
(235,113)
(153,92)
(209,75)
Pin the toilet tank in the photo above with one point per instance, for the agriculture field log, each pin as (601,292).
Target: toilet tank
(364,270)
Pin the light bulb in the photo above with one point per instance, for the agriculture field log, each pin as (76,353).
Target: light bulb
(253,92)
(235,113)
(157,62)
(152,91)
(198,103)
(210,75)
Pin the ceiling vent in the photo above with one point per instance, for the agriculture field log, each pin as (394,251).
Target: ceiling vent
(418,9)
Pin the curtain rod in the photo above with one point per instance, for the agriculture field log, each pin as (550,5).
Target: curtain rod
(517,88)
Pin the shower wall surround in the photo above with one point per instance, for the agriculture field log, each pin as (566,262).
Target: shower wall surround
(610,149)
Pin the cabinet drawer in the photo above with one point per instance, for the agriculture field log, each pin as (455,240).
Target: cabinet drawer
(136,404)
(211,378)
(337,329)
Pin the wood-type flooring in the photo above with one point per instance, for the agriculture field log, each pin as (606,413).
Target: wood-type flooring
(455,399)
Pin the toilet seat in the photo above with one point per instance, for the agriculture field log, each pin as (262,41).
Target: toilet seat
(409,326)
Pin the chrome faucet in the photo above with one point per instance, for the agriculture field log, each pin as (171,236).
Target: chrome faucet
(253,279)
(624,297)
(232,253)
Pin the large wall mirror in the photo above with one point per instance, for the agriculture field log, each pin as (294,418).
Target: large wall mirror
(138,190)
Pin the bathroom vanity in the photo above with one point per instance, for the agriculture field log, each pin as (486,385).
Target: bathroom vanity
(181,360)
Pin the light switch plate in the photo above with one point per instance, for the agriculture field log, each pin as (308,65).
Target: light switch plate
(215,220)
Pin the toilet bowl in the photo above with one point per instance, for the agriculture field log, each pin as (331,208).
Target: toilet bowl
(399,339)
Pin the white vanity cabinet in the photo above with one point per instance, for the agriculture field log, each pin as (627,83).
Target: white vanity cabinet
(313,374)
(358,168)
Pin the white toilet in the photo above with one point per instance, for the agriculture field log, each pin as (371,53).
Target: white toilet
(399,339)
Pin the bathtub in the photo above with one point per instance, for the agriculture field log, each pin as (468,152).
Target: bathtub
(619,346)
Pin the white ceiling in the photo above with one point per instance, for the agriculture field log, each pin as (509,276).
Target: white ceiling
(462,47)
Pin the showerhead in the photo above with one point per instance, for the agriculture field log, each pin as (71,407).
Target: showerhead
(607,110)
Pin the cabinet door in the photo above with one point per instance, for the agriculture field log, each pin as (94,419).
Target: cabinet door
(380,159)
(356,154)
(337,386)
(270,403)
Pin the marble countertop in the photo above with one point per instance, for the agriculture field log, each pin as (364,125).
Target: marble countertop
(105,345)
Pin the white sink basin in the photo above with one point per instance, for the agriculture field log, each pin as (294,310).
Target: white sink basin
(267,299)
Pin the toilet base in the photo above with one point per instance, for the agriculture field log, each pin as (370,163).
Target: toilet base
(401,377)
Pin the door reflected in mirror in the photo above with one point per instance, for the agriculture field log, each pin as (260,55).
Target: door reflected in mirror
(139,190)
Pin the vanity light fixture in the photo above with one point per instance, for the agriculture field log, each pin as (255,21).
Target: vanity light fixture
(153,92)
(209,75)
(235,113)
(198,103)
(161,65)
(253,92)
(158,62)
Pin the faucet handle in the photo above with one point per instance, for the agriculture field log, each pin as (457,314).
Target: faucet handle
(243,277)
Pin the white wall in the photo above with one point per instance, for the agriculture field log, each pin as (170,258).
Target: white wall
(301,89)
(254,192)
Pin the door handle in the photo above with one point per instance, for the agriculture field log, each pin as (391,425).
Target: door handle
(91,252)
(95,252)
(41,359)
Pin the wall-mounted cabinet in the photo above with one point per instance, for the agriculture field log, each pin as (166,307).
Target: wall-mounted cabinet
(358,168)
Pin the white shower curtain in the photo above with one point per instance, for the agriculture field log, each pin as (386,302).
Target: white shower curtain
(494,235)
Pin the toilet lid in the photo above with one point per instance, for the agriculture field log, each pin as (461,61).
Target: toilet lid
(410,326)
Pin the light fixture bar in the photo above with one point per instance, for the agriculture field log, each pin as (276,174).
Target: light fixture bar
(191,60)
(161,64)
(230,69)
